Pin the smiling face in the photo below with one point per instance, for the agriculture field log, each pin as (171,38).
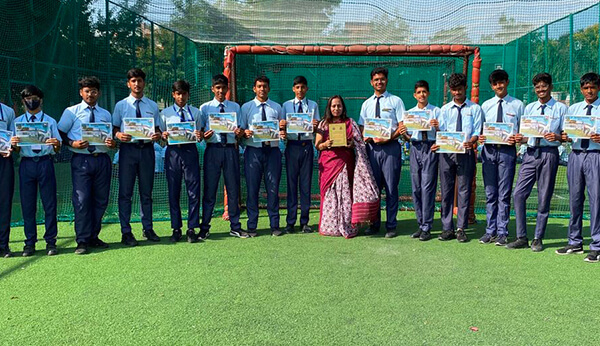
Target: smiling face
(261,89)
(337,108)
(500,88)
(220,91)
(89,95)
(590,92)
(136,85)
(543,91)
(459,94)
(379,83)
(421,95)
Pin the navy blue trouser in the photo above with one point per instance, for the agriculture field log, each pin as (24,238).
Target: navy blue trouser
(183,163)
(386,163)
(34,173)
(543,170)
(299,161)
(262,163)
(498,167)
(423,173)
(91,176)
(225,158)
(136,160)
(583,170)
(456,168)
(7,189)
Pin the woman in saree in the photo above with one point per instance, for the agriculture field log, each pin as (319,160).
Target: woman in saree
(349,194)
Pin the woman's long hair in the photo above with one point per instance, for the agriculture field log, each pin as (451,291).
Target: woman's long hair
(329,116)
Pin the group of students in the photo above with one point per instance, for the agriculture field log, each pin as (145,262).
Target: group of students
(351,176)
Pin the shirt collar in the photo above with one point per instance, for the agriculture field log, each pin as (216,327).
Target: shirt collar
(466,103)
(548,104)
(84,105)
(133,99)
(384,95)
(217,102)
(594,104)
(38,115)
(296,101)
(257,102)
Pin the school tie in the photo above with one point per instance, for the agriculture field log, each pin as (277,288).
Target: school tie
(92,148)
(181,115)
(538,140)
(378,107)
(500,114)
(32,119)
(263,112)
(223,135)
(585,143)
(138,112)
(459,117)
(300,111)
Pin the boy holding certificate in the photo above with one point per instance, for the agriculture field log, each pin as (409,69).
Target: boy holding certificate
(221,155)
(583,170)
(7,182)
(462,116)
(502,113)
(262,158)
(540,162)
(423,162)
(182,161)
(36,171)
(90,165)
(385,154)
(299,157)
(136,157)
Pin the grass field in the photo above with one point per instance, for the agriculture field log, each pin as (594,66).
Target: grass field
(299,289)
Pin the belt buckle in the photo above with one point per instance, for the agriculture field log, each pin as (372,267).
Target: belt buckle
(303,144)
(35,158)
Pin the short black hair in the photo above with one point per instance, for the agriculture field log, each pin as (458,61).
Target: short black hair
(219,79)
(89,82)
(457,80)
(181,86)
(590,78)
(542,77)
(300,80)
(422,84)
(32,90)
(263,79)
(498,76)
(379,70)
(136,72)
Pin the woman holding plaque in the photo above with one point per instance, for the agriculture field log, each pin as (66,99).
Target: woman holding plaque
(349,194)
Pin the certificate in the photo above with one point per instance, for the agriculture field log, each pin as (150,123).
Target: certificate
(95,133)
(579,126)
(337,133)
(139,128)
(299,122)
(5,137)
(265,131)
(222,122)
(32,134)
(451,142)
(181,133)
(534,125)
(497,133)
(378,128)
(417,120)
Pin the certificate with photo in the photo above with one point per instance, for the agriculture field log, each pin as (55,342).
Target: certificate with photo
(337,133)
(181,133)
(417,120)
(579,126)
(378,128)
(5,137)
(451,142)
(96,133)
(265,131)
(534,125)
(32,134)
(497,133)
(222,122)
(139,128)
(299,122)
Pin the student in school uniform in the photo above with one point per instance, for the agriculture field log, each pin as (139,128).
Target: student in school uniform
(90,165)
(540,163)
(136,158)
(221,157)
(499,160)
(182,162)
(423,162)
(36,172)
(384,153)
(7,182)
(262,159)
(583,172)
(458,115)
(299,158)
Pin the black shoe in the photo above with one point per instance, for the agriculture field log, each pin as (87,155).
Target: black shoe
(390,233)
(289,229)
(570,249)
(276,232)
(97,243)
(239,234)
(417,234)
(486,239)
(5,252)
(461,236)
(592,257)
(250,234)
(203,235)
(447,235)
(536,245)
(28,250)
(150,235)
(176,236)
(371,230)
(501,240)
(425,236)
(82,249)
(51,250)
(128,239)
(192,237)
(520,243)
(306,229)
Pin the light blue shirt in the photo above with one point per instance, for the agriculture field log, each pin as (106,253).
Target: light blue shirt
(172,114)
(580,109)
(471,118)
(512,110)
(72,118)
(390,107)
(308,106)
(435,113)
(126,109)
(27,151)
(7,118)
(252,112)
(212,107)
(556,111)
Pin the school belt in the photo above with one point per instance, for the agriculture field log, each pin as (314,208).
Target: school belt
(36,158)
(546,148)
(500,146)
(182,146)
(585,151)
(421,142)
(303,142)
(139,144)
(220,145)
(90,154)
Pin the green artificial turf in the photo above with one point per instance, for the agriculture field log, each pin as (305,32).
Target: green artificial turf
(299,289)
